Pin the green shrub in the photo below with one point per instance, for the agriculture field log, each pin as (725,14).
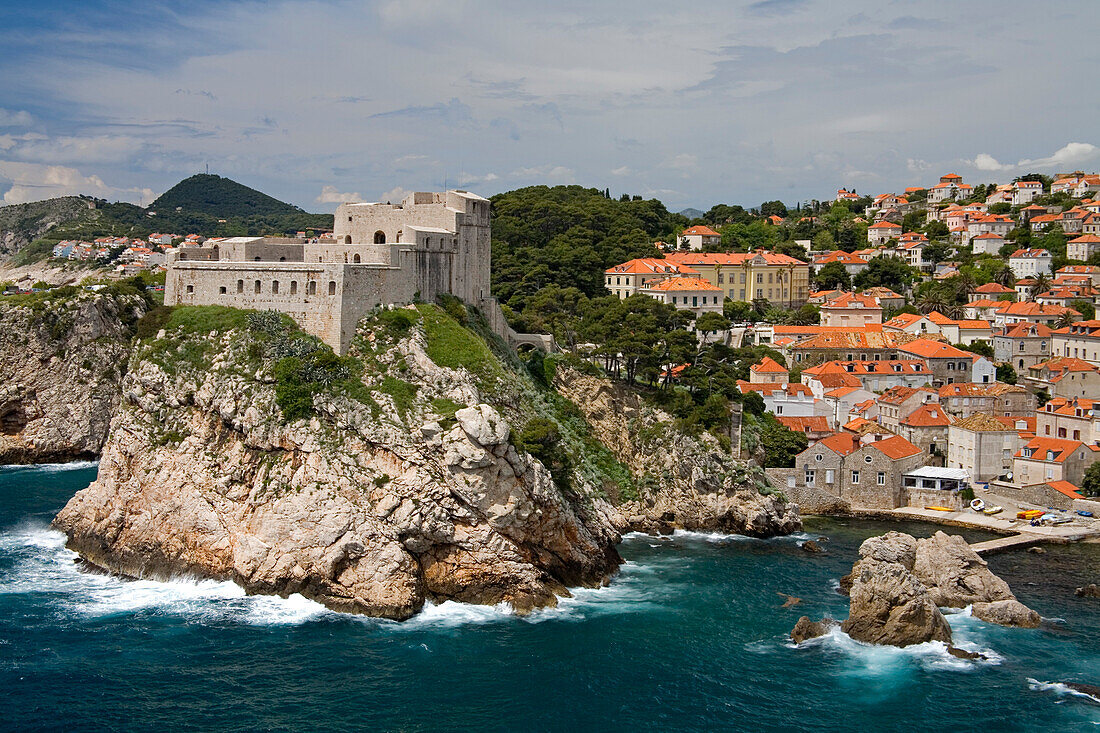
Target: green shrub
(397,322)
(153,321)
(207,318)
(451,345)
(403,393)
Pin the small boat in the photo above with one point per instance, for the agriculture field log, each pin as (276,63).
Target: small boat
(1061,520)
(940,508)
(977,505)
(991,510)
(1030,514)
(1048,518)
(1083,513)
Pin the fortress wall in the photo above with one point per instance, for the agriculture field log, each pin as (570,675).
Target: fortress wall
(377,254)
(365,288)
(260,250)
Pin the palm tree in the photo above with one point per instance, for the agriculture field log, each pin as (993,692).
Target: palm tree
(1042,284)
(1066,319)
(932,300)
(1005,276)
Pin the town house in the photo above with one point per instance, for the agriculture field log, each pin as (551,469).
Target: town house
(1023,345)
(745,276)
(1065,377)
(948,363)
(982,446)
(867,475)
(851,309)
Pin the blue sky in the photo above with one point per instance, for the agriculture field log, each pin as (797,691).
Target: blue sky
(717,101)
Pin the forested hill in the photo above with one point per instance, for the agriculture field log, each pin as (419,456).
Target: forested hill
(219,197)
(568,235)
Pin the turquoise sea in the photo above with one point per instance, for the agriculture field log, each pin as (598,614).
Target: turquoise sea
(690,636)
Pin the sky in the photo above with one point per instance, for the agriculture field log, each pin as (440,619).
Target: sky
(695,103)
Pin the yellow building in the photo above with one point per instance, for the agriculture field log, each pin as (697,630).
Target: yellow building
(782,280)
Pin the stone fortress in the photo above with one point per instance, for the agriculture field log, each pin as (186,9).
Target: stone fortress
(379,255)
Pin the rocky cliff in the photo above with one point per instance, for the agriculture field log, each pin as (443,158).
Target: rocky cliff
(681,480)
(20,224)
(62,358)
(246,450)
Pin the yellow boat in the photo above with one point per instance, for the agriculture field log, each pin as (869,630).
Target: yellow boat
(1030,514)
(940,508)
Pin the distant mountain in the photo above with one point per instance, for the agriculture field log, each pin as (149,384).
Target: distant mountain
(692,213)
(219,197)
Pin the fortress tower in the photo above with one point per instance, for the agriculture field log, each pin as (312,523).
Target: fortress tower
(379,254)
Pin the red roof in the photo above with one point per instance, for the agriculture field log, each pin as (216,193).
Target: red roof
(816,424)
(730,258)
(928,349)
(1065,487)
(701,230)
(993,288)
(895,447)
(649,266)
(842,443)
(1052,449)
(927,416)
(683,284)
(768,365)
(885,225)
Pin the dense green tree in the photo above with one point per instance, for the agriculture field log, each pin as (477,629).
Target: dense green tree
(1090,483)
(1085,308)
(936,252)
(1005,373)
(887,272)
(773,208)
(936,230)
(780,443)
(832,276)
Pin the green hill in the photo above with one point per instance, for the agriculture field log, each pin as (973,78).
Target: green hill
(219,197)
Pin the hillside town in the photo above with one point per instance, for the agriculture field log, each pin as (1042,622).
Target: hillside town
(936,347)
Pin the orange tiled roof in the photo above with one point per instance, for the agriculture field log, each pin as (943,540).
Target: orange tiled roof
(682,284)
(1049,449)
(895,447)
(701,230)
(927,416)
(768,365)
(929,349)
(816,424)
(1065,487)
(649,266)
(842,443)
(730,258)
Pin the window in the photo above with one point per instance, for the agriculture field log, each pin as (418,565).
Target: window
(258,287)
(312,288)
(379,237)
(759,278)
(881,478)
(855,477)
(190,288)
(810,475)
(829,476)
(240,286)
(1021,346)
(274,286)
(332,287)
(357,259)
(221,290)
(293,287)
(694,300)
(867,459)
(818,457)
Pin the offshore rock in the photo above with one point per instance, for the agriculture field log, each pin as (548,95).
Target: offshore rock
(806,629)
(955,575)
(363,507)
(889,605)
(691,478)
(1007,613)
(1092,590)
(62,359)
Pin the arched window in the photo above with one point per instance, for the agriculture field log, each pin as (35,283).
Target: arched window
(274,286)
(257,286)
(332,287)
(312,289)
(240,286)
(357,259)
(256,258)
(282,259)
(347,239)
(293,287)
(379,237)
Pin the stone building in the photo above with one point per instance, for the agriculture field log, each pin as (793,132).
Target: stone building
(780,279)
(866,474)
(1022,345)
(1052,459)
(380,254)
(1064,377)
(948,363)
(982,446)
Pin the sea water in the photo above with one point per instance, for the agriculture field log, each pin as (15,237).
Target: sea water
(691,635)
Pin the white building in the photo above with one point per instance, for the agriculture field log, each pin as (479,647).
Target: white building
(1030,262)
(1024,192)
(698,236)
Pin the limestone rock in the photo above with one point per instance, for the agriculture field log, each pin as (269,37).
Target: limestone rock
(955,575)
(812,547)
(691,478)
(1089,591)
(364,510)
(889,605)
(61,368)
(1007,613)
(806,629)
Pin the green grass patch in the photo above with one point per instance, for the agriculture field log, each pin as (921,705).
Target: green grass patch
(402,392)
(199,319)
(451,345)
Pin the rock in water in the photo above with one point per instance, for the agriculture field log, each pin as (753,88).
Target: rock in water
(789,600)
(955,575)
(356,506)
(811,547)
(889,605)
(1007,613)
(1089,591)
(806,629)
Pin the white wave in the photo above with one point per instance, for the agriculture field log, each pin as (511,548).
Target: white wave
(48,467)
(1059,688)
(874,660)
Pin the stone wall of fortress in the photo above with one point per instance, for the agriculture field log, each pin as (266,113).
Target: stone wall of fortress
(380,254)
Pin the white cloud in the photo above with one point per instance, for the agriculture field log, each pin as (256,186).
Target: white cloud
(1068,156)
(13,118)
(34,182)
(916,165)
(394,195)
(330,195)
(621,171)
(683,161)
(465,179)
(986,162)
